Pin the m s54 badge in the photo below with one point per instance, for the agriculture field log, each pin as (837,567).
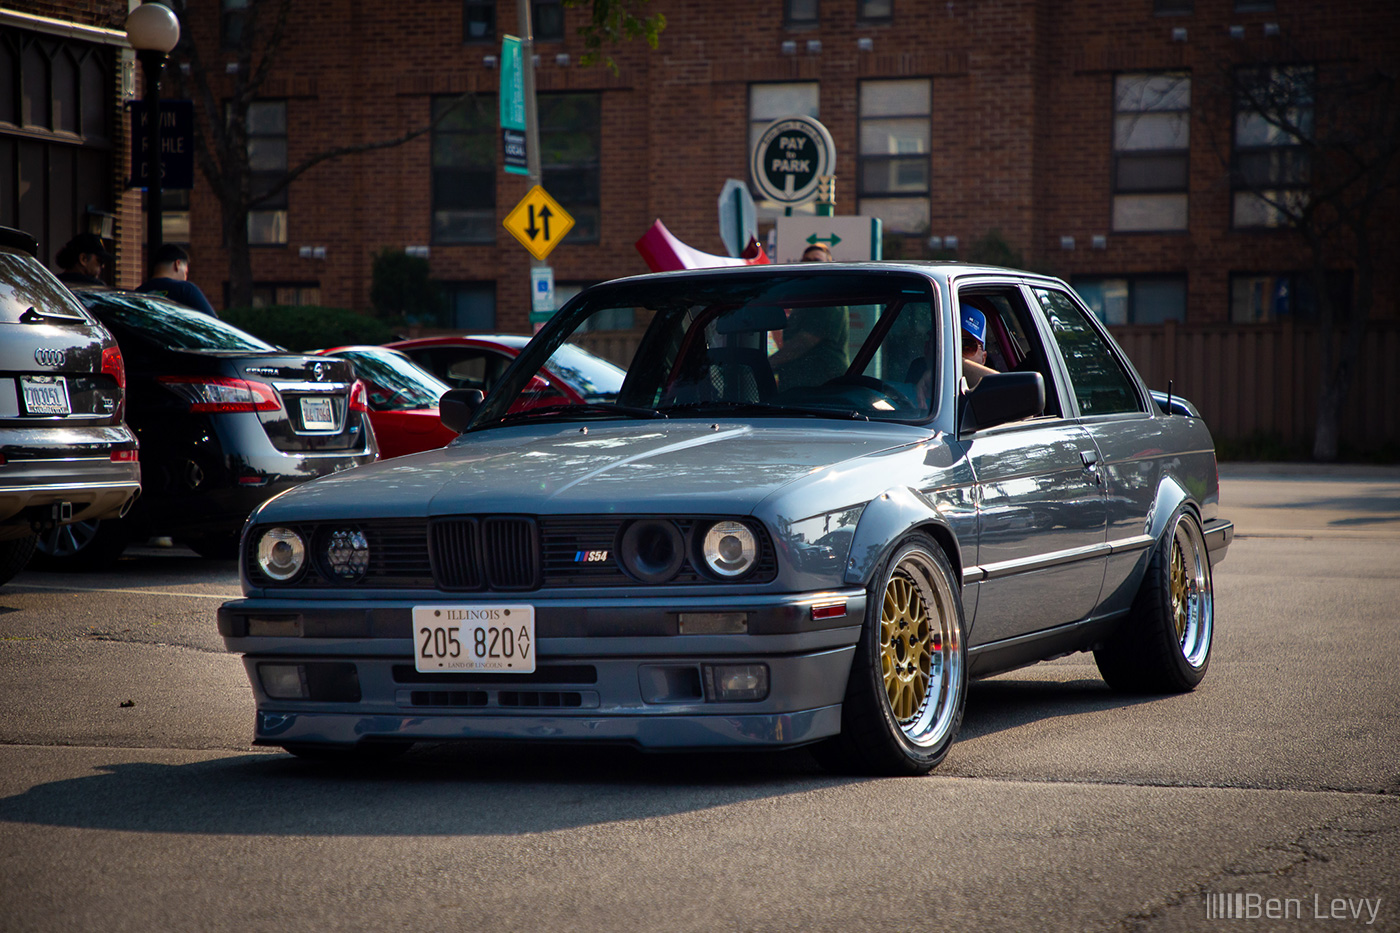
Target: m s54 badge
(590,557)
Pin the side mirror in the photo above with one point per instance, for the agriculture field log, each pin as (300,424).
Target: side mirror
(1001,398)
(457,406)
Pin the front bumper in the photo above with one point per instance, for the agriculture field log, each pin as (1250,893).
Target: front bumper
(638,681)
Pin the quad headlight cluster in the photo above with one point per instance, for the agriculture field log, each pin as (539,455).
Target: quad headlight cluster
(653,550)
(342,553)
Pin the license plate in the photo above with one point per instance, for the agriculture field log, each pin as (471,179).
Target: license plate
(45,395)
(316,414)
(475,637)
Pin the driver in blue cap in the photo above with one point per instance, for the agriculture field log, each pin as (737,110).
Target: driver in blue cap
(974,346)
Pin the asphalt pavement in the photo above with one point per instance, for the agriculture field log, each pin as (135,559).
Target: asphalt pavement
(131,800)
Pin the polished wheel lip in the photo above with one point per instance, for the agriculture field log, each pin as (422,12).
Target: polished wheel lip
(920,649)
(1191,593)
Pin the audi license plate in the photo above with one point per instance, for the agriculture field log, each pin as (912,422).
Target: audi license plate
(45,395)
(475,637)
(316,414)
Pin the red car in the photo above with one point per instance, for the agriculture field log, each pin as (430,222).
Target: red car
(403,400)
(571,376)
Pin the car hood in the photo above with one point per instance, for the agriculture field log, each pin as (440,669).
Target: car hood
(689,466)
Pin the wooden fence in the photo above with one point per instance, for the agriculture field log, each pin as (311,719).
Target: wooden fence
(1248,380)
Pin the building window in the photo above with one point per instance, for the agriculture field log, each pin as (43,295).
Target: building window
(471,306)
(1271,166)
(800,12)
(57,102)
(769,102)
(175,215)
(1261,298)
(267,160)
(875,10)
(1151,151)
(894,153)
(478,20)
(284,294)
(233,16)
(1140,299)
(1173,7)
(548,20)
(569,158)
(464,170)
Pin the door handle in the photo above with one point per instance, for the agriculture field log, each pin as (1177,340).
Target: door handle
(1090,459)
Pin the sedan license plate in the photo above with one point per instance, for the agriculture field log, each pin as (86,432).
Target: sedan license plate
(45,395)
(475,637)
(316,414)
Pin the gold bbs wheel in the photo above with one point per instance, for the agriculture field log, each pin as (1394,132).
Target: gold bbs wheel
(920,648)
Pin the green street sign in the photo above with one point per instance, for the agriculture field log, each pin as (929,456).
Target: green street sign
(513,107)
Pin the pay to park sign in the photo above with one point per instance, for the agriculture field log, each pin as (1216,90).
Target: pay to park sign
(791,156)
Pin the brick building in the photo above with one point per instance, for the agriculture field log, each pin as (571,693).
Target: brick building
(1091,137)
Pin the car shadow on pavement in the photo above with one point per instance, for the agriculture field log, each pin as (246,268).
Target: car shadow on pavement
(435,791)
(1001,704)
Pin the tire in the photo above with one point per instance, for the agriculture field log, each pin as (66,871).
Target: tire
(1164,645)
(215,547)
(907,688)
(362,753)
(82,546)
(14,556)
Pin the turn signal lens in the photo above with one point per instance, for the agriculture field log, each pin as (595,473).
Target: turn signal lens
(732,683)
(281,554)
(730,549)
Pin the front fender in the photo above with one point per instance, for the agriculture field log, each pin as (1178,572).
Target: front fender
(887,519)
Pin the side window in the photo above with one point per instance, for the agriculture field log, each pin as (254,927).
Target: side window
(1013,343)
(1100,385)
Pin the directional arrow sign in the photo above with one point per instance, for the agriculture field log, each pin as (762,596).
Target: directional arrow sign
(832,240)
(538,222)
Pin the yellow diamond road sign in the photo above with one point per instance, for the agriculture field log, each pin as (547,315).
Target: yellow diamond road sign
(538,222)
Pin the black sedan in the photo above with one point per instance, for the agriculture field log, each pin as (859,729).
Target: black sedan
(226,421)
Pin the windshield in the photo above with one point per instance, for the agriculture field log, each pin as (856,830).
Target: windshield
(835,344)
(169,324)
(590,376)
(393,381)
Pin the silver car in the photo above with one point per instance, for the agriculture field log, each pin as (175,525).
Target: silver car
(796,525)
(66,455)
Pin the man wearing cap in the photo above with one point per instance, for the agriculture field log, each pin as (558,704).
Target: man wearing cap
(974,346)
(82,259)
(170,273)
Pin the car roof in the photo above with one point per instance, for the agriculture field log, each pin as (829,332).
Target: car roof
(939,269)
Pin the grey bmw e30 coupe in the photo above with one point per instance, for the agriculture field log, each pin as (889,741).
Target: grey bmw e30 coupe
(794,525)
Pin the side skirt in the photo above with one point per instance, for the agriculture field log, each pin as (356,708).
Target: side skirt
(1010,653)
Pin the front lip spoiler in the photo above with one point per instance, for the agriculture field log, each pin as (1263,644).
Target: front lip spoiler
(1218,533)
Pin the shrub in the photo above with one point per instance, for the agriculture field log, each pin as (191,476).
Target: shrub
(401,288)
(310,327)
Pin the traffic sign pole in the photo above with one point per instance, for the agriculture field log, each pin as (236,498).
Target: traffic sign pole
(532,121)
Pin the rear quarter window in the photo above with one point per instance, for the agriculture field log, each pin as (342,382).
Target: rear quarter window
(1101,387)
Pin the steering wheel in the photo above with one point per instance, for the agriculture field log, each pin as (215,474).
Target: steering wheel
(870,382)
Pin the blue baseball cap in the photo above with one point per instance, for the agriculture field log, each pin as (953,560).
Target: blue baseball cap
(974,322)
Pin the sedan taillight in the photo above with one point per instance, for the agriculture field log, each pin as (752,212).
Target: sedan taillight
(220,395)
(359,397)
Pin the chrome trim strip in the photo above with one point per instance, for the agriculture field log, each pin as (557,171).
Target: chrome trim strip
(1008,568)
(320,388)
(1135,543)
(74,487)
(973,575)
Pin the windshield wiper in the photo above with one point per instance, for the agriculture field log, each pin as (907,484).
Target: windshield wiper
(584,408)
(755,408)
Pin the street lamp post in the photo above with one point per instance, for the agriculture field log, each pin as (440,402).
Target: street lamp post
(152,30)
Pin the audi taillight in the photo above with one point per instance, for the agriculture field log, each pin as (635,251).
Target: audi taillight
(113,366)
(359,397)
(218,395)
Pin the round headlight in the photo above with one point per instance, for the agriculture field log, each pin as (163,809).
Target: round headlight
(652,550)
(347,554)
(730,549)
(281,553)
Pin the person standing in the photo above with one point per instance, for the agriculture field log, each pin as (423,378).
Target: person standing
(170,272)
(82,259)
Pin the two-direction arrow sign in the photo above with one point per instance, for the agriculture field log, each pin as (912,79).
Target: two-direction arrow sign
(530,222)
(832,240)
